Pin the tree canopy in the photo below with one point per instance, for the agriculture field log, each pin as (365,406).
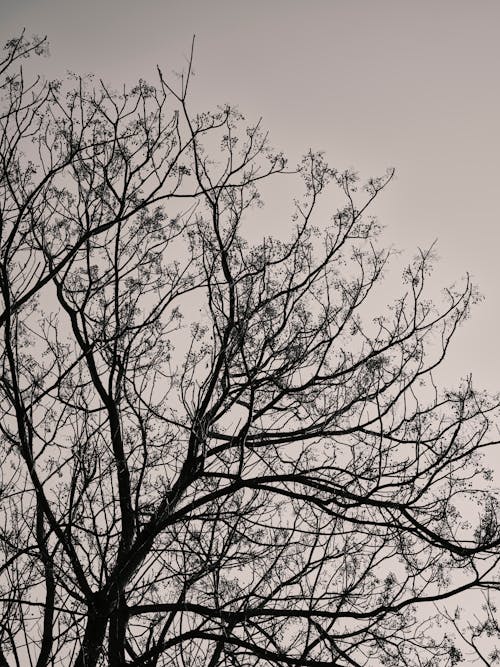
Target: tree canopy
(212,452)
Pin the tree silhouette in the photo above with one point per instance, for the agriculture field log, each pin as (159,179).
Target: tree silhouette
(212,454)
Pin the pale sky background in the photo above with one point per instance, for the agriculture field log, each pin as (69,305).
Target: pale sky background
(412,84)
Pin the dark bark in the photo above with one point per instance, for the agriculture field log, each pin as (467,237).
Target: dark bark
(93,640)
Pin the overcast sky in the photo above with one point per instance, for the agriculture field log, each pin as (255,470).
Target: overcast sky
(374,83)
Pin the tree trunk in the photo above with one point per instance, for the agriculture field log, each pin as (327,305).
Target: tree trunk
(93,639)
(117,631)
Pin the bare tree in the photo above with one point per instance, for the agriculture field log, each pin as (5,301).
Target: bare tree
(212,453)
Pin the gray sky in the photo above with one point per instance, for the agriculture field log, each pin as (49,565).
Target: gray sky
(374,83)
